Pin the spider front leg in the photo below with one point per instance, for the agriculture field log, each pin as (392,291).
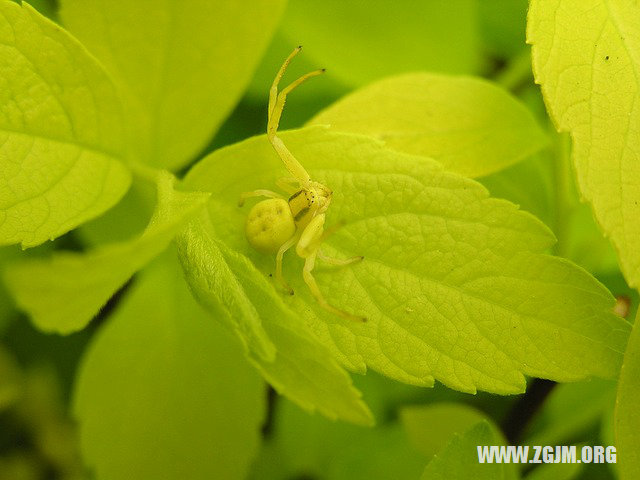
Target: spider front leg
(308,248)
(257,193)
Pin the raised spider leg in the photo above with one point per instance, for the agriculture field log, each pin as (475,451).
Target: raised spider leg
(283,248)
(257,193)
(309,263)
(276,105)
(289,185)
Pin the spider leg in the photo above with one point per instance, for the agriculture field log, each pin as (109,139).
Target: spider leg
(283,248)
(309,263)
(276,105)
(289,185)
(257,193)
(341,262)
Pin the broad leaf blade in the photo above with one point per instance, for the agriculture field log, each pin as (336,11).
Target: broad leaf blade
(63,293)
(453,282)
(61,136)
(299,366)
(627,416)
(586,59)
(182,66)
(468,124)
(164,393)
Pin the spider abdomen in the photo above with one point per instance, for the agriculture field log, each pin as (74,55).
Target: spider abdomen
(269,225)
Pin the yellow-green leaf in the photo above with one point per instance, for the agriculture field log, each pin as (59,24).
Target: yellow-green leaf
(469,125)
(63,293)
(61,131)
(455,284)
(586,57)
(163,392)
(182,66)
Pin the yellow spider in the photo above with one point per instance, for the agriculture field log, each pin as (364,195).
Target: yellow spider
(277,224)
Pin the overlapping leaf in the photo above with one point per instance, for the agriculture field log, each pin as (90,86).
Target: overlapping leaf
(469,125)
(61,131)
(454,283)
(459,460)
(279,343)
(183,66)
(163,393)
(586,57)
(63,293)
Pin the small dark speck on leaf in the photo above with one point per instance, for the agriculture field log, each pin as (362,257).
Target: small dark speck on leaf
(607,57)
(271,274)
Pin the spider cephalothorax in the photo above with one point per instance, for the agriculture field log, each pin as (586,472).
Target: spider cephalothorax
(277,224)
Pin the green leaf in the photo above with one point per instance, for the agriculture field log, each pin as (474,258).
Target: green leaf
(64,292)
(278,342)
(163,392)
(586,59)
(182,67)
(362,41)
(301,445)
(459,460)
(430,427)
(468,124)
(503,26)
(566,416)
(627,415)
(61,137)
(453,283)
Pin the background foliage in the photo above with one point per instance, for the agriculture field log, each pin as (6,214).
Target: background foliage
(140,335)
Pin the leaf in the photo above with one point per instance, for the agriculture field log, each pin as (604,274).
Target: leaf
(369,40)
(585,57)
(430,427)
(453,282)
(279,344)
(63,293)
(163,392)
(301,445)
(459,460)
(627,415)
(468,124)
(182,68)
(566,416)
(503,26)
(61,138)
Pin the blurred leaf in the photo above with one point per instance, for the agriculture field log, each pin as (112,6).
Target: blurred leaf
(182,67)
(459,460)
(63,293)
(586,58)
(469,125)
(310,446)
(61,138)
(627,416)
(570,411)
(163,393)
(474,303)
(278,343)
(502,24)
(10,379)
(360,41)
(430,427)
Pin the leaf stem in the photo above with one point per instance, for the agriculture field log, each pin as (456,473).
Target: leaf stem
(563,198)
(517,72)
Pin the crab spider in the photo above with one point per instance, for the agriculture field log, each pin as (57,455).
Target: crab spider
(278,223)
